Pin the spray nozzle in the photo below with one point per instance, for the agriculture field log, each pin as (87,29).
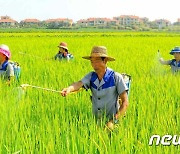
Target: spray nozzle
(159,55)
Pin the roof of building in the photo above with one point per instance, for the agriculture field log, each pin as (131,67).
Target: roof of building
(58,20)
(7,20)
(95,19)
(31,20)
(128,16)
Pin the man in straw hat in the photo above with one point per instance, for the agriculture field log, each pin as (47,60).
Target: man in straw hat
(174,63)
(106,87)
(63,53)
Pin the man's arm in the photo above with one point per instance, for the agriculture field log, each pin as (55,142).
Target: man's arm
(122,110)
(74,87)
(162,61)
(123,106)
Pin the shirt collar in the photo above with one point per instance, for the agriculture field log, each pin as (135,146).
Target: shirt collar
(105,78)
(108,74)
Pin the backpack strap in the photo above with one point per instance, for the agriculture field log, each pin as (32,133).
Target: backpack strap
(173,63)
(127,80)
(93,78)
(4,65)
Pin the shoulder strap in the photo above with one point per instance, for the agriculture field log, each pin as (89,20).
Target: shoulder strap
(173,63)
(93,77)
(115,78)
(4,66)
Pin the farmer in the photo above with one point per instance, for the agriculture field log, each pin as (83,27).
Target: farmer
(106,87)
(6,69)
(174,63)
(63,53)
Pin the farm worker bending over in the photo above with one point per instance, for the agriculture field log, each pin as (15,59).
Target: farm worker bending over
(174,63)
(106,87)
(63,53)
(6,69)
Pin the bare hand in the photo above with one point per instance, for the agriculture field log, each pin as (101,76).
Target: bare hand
(65,92)
(110,125)
(160,59)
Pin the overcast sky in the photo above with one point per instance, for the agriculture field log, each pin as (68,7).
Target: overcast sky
(82,9)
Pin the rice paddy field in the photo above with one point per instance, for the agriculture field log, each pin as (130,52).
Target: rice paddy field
(37,121)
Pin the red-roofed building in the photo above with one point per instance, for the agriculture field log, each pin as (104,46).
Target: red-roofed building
(178,20)
(59,22)
(7,21)
(128,20)
(30,22)
(96,22)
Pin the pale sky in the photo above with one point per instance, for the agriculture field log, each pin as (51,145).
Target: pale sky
(82,9)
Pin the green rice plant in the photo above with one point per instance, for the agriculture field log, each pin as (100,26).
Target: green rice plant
(37,121)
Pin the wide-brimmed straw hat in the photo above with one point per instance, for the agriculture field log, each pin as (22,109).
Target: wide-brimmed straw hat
(176,49)
(4,49)
(63,45)
(97,52)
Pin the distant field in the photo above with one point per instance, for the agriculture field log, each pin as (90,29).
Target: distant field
(88,29)
(37,121)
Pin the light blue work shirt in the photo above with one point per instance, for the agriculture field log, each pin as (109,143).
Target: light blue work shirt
(105,93)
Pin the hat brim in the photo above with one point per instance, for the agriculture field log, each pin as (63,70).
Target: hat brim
(108,58)
(5,52)
(172,52)
(62,47)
